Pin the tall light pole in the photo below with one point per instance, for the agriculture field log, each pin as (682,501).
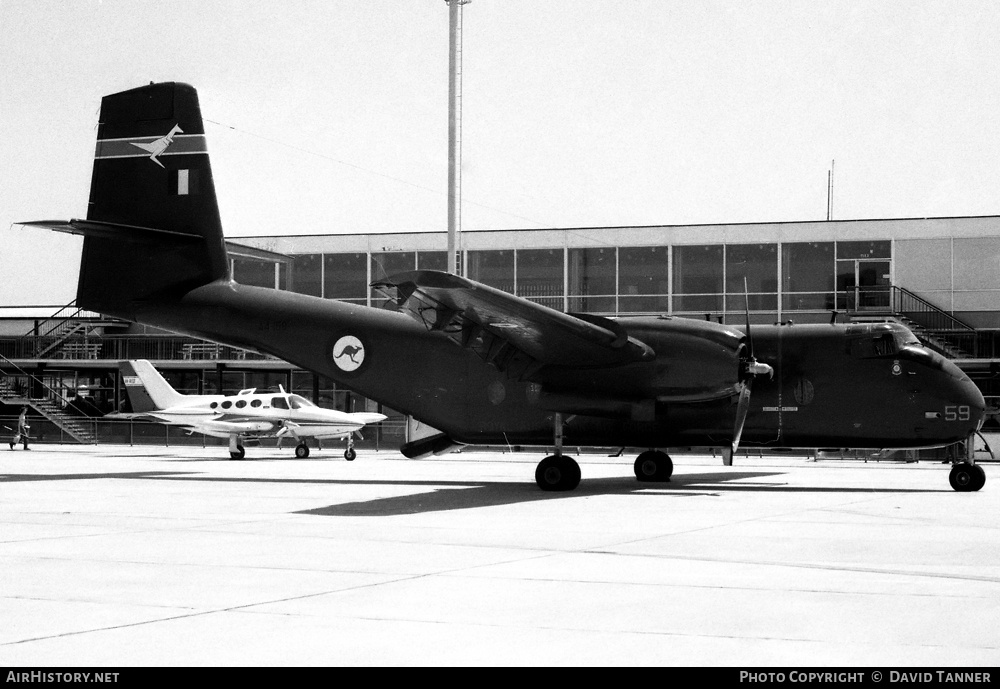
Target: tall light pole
(454,129)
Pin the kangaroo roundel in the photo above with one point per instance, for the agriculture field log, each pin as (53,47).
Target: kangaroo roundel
(348,353)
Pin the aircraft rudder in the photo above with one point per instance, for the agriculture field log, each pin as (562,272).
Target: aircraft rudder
(151,170)
(147,389)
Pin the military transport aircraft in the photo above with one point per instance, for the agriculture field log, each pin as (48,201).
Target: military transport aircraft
(247,415)
(486,367)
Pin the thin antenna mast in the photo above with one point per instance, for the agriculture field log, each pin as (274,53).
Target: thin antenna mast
(829,191)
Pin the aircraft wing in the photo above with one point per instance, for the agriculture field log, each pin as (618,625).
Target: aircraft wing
(131,416)
(515,335)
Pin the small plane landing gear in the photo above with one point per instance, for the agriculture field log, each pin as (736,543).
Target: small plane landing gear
(557,472)
(653,465)
(236,450)
(350,455)
(301,450)
(966,477)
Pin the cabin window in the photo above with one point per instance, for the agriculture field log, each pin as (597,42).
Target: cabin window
(227,404)
(255,403)
(279,403)
(241,403)
(213,405)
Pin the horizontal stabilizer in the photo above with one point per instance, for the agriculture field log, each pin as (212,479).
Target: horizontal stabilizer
(93,228)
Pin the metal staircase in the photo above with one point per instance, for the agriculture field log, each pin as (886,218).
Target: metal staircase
(68,324)
(933,326)
(47,407)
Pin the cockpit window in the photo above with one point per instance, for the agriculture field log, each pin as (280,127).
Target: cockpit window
(879,340)
(298,402)
(884,345)
(279,403)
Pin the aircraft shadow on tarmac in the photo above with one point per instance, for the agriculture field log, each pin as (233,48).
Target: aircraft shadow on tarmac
(444,496)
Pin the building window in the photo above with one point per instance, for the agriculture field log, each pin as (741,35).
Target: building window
(254,272)
(493,268)
(432,260)
(345,276)
(757,264)
(867,249)
(808,272)
(593,275)
(307,275)
(540,276)
(643,279)
(389,264)
(698,278)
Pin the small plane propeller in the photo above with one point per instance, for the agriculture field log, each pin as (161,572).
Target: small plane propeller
(750,368)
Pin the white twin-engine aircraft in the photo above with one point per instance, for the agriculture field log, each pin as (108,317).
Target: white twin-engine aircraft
(248,415)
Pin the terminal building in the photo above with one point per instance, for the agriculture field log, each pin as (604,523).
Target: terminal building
(939,276)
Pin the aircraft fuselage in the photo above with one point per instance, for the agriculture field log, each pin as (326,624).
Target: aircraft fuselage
(833,385)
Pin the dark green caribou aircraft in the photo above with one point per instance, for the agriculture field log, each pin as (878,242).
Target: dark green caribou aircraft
(485,367)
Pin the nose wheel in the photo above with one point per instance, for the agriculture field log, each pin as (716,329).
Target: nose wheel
(236,450)
(966,477)
(653,465)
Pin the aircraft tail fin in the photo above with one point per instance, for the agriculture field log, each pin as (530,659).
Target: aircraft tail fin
(152,231)
(147,390)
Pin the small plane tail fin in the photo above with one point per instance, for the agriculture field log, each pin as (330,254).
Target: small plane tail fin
(153,231)
(147,390)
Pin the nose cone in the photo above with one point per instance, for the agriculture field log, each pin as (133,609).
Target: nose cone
(966,398)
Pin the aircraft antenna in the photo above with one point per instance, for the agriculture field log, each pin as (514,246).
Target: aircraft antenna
(454,130)
(829,191)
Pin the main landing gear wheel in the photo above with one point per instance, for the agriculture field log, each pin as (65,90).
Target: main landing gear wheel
(350,455)
(238,453)
(557,472)
(301,450)
(653,465)
(967,478)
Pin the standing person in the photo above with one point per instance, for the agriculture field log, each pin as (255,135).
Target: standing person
(22,430)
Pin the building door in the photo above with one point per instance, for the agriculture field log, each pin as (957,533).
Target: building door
(864,284)
(874,283)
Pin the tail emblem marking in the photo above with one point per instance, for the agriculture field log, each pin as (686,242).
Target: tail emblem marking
(155,148)
(348,353)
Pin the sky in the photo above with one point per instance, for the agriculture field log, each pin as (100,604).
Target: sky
(332,116)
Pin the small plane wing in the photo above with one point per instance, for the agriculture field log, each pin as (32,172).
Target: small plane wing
(515,335)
